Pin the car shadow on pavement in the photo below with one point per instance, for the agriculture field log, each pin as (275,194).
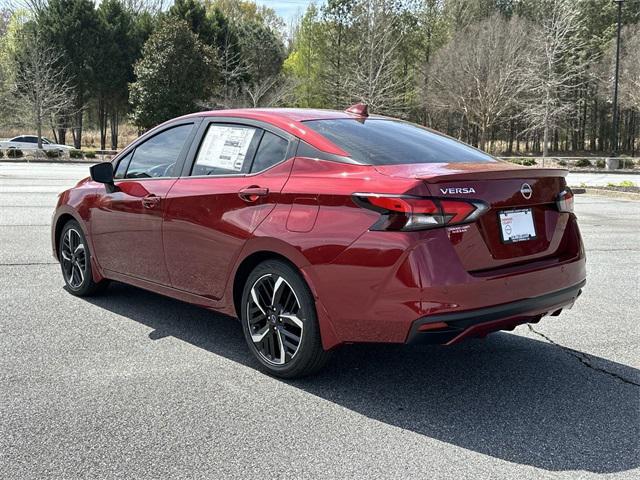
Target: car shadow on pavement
(508,396)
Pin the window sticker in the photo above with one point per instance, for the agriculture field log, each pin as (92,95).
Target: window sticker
(225,147)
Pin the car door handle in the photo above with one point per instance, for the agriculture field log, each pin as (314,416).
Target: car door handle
(150,201)
(253,193)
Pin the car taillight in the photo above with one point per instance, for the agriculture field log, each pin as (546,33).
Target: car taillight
(408,213)
(565,201)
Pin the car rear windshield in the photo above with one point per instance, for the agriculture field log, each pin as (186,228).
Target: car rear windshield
(388,142)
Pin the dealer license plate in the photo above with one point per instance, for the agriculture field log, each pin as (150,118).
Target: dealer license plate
(517,225)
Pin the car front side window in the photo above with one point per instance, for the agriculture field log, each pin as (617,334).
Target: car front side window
(156,157)
(123,164)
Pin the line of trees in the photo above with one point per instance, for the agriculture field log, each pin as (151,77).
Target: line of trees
(510,76)
(506,75)
(133,60)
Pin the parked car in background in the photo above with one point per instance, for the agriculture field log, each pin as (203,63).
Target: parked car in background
(30,142)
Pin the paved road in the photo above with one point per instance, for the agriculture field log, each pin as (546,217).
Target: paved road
(134,385)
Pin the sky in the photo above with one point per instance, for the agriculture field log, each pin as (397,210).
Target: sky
(287,9)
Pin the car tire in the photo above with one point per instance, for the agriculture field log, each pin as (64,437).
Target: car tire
(279,321)
(75,261)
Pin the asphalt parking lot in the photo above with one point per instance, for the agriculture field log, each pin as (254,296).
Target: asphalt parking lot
(134,385)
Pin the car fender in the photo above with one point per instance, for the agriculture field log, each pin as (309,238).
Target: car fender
(81,214)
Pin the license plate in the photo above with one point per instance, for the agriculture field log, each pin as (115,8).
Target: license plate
(517,225)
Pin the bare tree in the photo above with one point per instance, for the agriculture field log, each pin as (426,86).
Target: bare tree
(40,93)
(555,70)
(630,68)
(152,6)
(478,73)
(271,91)
(373,76)
(233,70)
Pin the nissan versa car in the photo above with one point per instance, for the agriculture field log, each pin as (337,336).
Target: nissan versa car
(320,228)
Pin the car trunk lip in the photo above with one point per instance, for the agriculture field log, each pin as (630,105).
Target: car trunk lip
(446,172)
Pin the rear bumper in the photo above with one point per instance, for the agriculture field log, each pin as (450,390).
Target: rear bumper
(451,328)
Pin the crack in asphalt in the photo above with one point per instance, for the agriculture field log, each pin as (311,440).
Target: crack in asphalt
(583,358)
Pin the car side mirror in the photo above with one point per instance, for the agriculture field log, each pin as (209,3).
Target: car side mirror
(103,173)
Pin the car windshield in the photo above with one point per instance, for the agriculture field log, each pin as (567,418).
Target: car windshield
(389,142)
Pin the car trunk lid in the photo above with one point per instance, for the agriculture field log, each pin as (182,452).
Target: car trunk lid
(520,199)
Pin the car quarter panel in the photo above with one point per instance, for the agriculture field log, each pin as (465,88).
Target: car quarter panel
(383,282)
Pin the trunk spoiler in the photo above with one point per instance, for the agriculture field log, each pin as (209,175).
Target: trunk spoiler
(453,172)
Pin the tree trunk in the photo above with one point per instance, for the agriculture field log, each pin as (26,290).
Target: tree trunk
(102,121)
(62,135)
(633,134)
(545,141)
(39,130)
(114,128)
(483,136)
(594,127)
(510,142)
(77,129)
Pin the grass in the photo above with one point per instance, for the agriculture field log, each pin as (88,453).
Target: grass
(625,183)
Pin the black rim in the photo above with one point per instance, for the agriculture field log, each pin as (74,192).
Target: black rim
(73,257)
(274,318)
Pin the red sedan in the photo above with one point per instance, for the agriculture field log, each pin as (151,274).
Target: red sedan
(319,228)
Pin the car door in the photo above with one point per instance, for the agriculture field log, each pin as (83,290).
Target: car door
(231,183)
(126,224)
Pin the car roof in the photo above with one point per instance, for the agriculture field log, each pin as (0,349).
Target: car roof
(295,114)
(291,120)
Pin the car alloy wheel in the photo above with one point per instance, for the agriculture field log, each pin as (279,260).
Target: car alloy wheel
(274,318)
(73,258)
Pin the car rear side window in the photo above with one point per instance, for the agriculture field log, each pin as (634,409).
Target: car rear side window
(157,156)
(226,149)
(272,150)
(389,142)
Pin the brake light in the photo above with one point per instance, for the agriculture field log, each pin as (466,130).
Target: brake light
(408,213)
(565,201)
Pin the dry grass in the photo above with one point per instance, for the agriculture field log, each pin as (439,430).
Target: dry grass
(90,136)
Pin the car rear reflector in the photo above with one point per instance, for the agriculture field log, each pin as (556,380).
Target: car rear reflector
(565,201)
(409,213)
(425,327)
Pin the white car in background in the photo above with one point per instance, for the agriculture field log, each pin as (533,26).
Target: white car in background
(30,142)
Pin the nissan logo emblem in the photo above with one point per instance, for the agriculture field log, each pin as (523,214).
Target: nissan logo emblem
(526,191)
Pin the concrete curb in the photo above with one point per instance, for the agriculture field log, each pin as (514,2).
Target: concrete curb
(604,171)
(612,193)
(51,160)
